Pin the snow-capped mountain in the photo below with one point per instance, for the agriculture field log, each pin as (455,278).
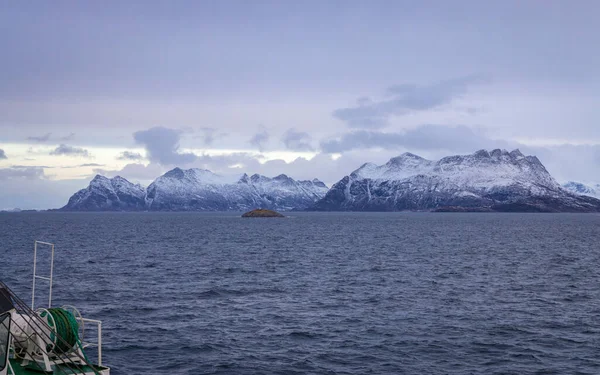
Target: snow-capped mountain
(484,181)
(108,194)
(202,190)
(198,190)
(591,190)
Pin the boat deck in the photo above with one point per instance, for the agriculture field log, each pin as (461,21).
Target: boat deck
(63,369)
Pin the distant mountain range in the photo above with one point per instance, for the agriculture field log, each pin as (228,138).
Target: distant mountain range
(197,190)
(591,190)
(484,181)
(487,181)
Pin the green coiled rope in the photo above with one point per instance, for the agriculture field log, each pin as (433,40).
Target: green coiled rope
(66,328)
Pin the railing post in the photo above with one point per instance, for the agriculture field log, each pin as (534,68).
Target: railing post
(51,277)
(34,267)
(100,343)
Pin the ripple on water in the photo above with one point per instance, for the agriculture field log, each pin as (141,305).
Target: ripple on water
(326,293)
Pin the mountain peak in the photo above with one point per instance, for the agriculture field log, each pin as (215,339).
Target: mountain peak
(319,183)
(255,178)
(175,173)
(99,177)
(108,194)
(410,155)
(516,153)
(481,153)
(244,178)
(406,158)
(119,178)
(497,153)
(534,160)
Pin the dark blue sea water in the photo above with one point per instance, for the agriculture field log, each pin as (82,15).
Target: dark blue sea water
(325,293)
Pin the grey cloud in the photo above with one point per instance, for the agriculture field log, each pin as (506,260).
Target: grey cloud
(81,166)
(208,135)
(30,166)
(2,154)
(91,165)
(130,155)
(22,173)
(68,137)
(162,146)
(259,140)
(42,138)
(403,99)
(70,150)
(425,137)
(134,171)
(297,141)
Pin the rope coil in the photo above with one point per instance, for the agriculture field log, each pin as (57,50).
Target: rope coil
(67,328)
(65,332)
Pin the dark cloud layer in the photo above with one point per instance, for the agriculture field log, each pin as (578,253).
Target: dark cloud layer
(85,165)
(68,137)
(297,141)
(21,173)
(208,136)
(2,154)
(31,166)
(162,146)
(91,165)
(70,150)
(130,155)
(259,140)
(41,138)
(403,99)
(48,136)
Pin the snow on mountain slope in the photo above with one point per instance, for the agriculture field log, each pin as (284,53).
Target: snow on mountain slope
(591,190)
(104,194)
(197,189)
(496,180)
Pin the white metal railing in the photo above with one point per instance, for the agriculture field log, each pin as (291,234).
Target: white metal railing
(36,276)
(99,343)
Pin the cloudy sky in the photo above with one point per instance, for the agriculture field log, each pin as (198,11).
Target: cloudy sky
(306,88)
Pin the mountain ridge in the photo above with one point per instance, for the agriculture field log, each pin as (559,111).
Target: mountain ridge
(590,190)
(197,189)
(496,180)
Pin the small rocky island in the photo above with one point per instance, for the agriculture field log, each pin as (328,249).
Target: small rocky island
(262,213)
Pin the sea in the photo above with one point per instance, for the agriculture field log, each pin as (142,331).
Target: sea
(322,293)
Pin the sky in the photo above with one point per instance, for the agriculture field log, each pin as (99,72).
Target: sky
(312,89)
